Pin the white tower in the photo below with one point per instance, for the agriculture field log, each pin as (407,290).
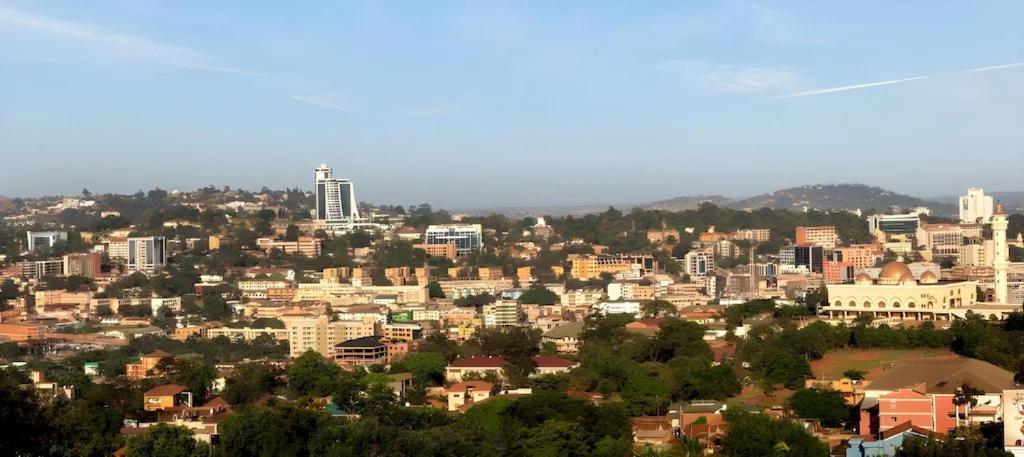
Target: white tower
(976,205)
(1001,253)
(335,197)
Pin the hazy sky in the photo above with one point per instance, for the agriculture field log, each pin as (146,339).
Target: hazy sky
(521,103)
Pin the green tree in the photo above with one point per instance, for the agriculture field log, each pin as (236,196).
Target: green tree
(826,405)
(657,308)
(758,434)
(434,288)
(538,295)
(292,233)
(427,368)
(311,374)
(215,308)
(249,382)
(195,375)
(24,427)
(163,440)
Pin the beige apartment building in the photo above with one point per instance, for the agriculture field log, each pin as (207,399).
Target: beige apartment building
(824,236)
(321,335)
(305,245)
(586,267)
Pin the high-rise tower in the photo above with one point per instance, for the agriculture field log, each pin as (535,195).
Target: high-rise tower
(1000,263)
(335,197)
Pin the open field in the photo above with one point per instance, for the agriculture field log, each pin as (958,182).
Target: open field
(872,361)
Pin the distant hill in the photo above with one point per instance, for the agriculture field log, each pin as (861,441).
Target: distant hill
(839,196)
(6,204)
(688,202)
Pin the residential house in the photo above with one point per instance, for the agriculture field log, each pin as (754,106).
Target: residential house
(566,337)
(166,397)
(466,393)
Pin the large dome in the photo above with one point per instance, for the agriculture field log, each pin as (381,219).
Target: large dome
(929,278)
(894,271)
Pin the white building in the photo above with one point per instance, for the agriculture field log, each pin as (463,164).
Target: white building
(147,253)
(44,239)
(503,313)
(617,307)
(335,197)
(699,263)
(466,237)
(976,206)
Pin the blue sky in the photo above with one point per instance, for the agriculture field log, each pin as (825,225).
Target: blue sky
(509,104)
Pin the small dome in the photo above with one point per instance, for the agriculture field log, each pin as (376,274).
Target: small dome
(907,279)
(862,278)
(929,278)
(894,271)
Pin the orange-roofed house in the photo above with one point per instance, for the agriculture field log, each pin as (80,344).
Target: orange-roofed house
(166,396)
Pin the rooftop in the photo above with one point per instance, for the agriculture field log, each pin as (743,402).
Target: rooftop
(945,376)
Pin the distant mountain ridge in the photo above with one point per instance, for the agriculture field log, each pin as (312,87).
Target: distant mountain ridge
(839,196)
(689,202)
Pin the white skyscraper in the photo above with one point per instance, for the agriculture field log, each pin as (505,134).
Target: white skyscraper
(976,206)
(335,197)
(1001,255)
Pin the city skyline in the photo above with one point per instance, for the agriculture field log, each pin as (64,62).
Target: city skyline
(511,105)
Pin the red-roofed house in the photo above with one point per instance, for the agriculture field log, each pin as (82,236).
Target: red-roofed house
(483,365)
(480,365)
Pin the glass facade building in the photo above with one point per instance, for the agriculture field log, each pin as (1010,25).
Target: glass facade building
(466,237)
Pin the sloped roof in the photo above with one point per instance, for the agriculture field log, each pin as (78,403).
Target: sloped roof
(478,362)
(572,329)
(945,376)
(908,427)
(164,390)
(366,341)
(544,361)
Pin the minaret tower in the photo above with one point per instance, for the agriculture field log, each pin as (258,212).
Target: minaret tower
(1000,262)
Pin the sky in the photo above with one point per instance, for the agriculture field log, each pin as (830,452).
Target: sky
(494,104)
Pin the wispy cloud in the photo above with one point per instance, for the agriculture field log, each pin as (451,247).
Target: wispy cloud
(995,67)
(130,46)
(732,79)
(143,49)
(332,102)
(831,90)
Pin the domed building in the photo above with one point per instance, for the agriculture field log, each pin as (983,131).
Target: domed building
(898,294)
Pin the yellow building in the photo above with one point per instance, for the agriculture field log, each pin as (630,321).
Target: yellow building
(591,266)
(897,294)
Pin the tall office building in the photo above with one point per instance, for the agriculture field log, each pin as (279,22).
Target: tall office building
(811,256)
(335,197)
(976,206)
(38,240)
(147,253)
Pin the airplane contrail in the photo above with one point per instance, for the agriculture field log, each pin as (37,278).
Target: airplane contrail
(994,67)
(830,90)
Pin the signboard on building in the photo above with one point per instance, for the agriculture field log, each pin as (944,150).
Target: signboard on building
(401,316)
(1013,421)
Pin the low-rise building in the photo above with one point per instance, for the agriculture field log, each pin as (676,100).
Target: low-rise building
(467,393)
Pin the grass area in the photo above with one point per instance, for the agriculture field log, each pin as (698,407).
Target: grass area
(871,362)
